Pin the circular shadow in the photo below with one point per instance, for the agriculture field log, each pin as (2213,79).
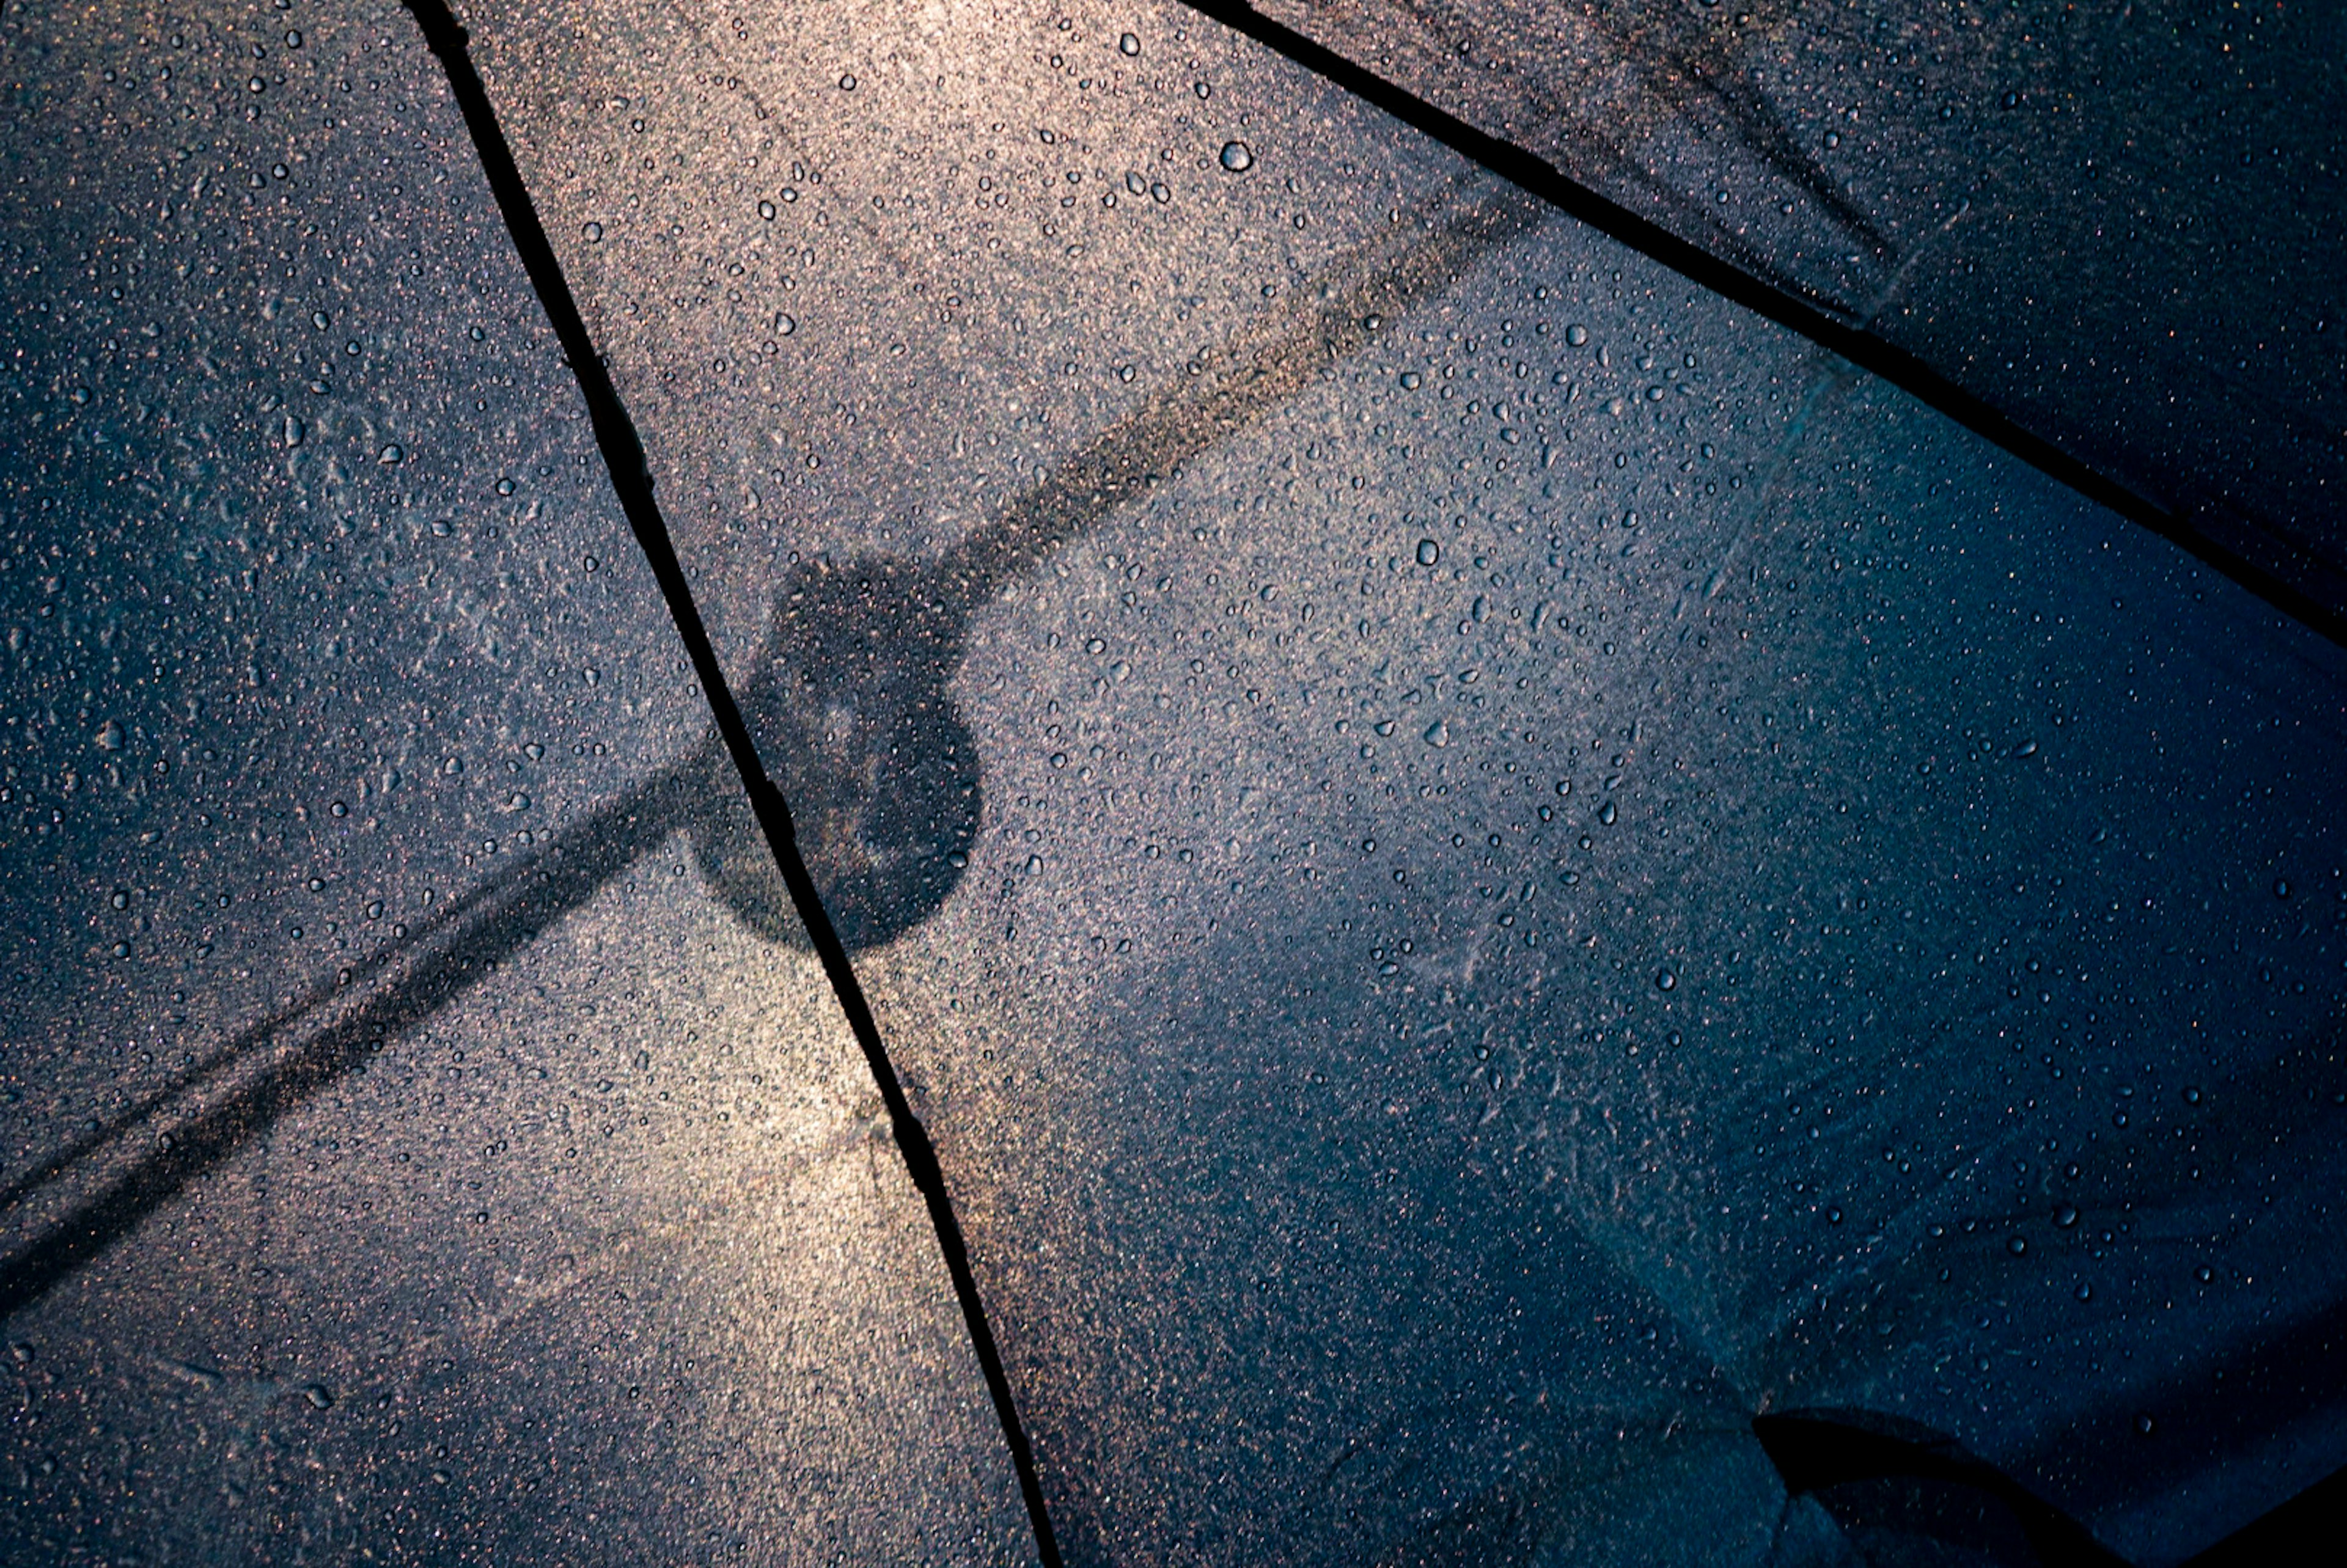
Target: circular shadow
(851,716)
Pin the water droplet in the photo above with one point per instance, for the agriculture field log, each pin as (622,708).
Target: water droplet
(2085,1292)
(339,808)
(1094,645)
(320,1399)
(2016,1246)
(121,949)
(442,527)
(1564,787)
(1666,981)
(294,37)
(320,320)
(1383,727)
(1833,139)
(120,898)
(390,455)
(1438,733)
(1160,191)
(1034,864)
(505,487)
(2281,887)
(2026,749)
(109,736)
(2065,1217)
(294,431)
(2143,1426)
(1429,552)
(1411,381)
(1606,814)
(2204,1273)
(1128,44)
(2193,1096)
(767,210)
(590,233)
(1237,156)
(1576,334)
(786,324)
(1833,1217)
(848,83)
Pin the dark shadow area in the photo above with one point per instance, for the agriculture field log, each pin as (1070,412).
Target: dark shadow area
(2271,1120)
(451,955)
(855,724)
(850,704)
(1909,1497)
(2311,1528)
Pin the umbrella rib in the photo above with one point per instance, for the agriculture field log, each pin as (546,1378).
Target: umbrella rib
(623,457)
(2201,532)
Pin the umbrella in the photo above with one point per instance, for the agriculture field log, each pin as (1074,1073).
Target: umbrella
(1533,906)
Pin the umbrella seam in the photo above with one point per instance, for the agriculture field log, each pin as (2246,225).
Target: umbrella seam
(622,452)
(1536,176)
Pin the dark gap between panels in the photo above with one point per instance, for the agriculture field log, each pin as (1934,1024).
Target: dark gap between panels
(2201,537)
(624,456)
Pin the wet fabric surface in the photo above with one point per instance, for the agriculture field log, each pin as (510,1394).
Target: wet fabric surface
(404,1160)
(1529,868)
(2117,224)
(1483,868)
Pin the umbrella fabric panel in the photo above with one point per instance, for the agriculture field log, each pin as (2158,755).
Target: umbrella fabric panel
(2119,226)
(1351,1127)
(875,578)
(1485,867)
(612,1259)
(398,1156)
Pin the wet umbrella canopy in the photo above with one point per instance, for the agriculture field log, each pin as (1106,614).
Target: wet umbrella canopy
(1353,784)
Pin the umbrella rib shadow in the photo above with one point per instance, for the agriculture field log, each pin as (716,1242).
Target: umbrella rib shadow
(193,1131)
(1236,387)
(509,910)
